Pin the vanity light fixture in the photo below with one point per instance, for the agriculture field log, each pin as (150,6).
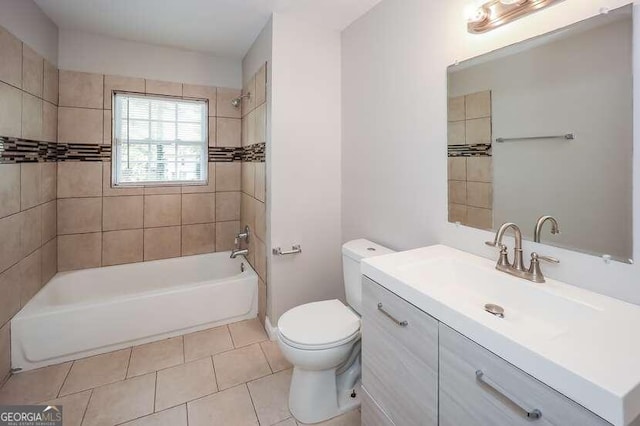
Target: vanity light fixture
(495,13)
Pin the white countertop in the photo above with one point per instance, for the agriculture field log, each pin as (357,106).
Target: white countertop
(594,361)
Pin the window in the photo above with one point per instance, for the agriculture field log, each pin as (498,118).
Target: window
(159,140)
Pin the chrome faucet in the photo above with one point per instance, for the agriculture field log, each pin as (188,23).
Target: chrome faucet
(535,273)
(503,262)
(555,228)
(239,252)
(517,269)
(241,236)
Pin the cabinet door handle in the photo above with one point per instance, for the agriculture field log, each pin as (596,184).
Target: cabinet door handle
(534,414)
(391,317)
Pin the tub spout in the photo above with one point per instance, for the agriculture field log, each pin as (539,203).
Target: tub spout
(237,252)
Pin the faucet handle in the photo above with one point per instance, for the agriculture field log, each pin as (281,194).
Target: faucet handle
(503,260)
(501,246)
(243,235)
(536,256)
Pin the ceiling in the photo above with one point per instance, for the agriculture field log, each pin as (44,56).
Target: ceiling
(220,27)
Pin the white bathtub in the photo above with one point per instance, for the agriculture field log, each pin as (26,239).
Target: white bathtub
(93,311)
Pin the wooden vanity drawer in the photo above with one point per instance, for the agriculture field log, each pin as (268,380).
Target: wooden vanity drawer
(372,415)
(502,395)
(399,362)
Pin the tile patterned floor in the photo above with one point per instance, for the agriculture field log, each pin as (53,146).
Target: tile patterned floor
(230,375)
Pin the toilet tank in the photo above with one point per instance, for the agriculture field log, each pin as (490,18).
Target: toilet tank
(352,253)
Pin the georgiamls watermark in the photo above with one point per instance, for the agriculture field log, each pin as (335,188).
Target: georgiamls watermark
(31,415)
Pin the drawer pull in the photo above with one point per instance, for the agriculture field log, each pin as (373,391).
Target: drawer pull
(534,414)
(391,317)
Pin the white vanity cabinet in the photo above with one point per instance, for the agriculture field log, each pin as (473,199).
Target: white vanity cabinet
(417,371)
(478,388)
(399,360)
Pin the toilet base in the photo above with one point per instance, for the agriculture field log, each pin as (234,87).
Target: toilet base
(314,396)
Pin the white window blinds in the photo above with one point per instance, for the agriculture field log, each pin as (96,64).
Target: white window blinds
(159,140)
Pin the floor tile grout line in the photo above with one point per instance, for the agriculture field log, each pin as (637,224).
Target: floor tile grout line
(126,373)
(184,363)
(104,385)
(266,357)
(86,409)
(194,400)
(215,376)
(233,341)
(57,397)
(149,415)
(255,411)
(92,389)
(251,344)
(190,400)
(184,352)
(66,377)
(253,379)
(235,349)
(155,391)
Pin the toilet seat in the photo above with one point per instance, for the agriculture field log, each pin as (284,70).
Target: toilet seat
(319,347)
(319,325)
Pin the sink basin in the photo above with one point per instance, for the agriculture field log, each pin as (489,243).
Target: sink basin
(528,309)
(580,343)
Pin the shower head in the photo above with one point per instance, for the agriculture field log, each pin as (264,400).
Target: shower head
(236,102)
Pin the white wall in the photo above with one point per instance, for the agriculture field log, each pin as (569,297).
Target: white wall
(81,51)
(394,125)
(584,183)
(25,20)
(304,164)
(258,53)
(395,129)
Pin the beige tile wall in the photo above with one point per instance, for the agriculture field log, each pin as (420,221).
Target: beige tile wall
(99,225)
(62,216)
(470,178)
(28,109)
(253,203)
(28,91)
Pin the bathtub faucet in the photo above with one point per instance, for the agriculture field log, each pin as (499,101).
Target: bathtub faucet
(238,252)
(243,235)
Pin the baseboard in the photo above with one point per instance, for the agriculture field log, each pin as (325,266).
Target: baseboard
(272,331)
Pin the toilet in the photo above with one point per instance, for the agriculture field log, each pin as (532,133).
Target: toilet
(322,341)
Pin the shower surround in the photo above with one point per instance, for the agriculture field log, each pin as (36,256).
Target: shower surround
(58,210)
(101,225)
(28,126)
(254,189)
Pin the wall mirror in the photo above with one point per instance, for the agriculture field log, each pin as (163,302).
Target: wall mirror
(545,127)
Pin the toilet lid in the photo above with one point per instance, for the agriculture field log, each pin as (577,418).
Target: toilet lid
(319,323)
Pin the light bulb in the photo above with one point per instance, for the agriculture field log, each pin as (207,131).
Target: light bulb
(476,14)
(510,2)
(471,10)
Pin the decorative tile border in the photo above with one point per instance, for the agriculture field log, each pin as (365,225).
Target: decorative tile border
(220,154)
(472,150)
(16,150)
(254,153)
(84,152)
